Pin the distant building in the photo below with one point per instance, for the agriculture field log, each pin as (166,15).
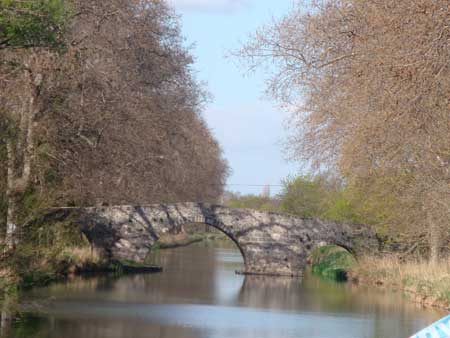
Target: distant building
(266,191)
(228,196)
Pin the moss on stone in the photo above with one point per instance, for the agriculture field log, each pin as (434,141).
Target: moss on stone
(332,262)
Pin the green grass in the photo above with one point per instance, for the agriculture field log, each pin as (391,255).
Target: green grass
(332,262)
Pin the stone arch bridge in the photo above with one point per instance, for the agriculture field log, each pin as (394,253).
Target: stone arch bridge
(270,243)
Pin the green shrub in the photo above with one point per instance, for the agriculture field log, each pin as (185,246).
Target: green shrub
(262,203)
(332,262)
(32,23)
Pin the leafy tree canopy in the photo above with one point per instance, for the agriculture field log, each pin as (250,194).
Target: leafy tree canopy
(32,23)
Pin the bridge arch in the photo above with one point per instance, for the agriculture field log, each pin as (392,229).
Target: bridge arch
(229,236)
(270,243)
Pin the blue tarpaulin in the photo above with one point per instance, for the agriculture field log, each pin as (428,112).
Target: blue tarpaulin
(440,329)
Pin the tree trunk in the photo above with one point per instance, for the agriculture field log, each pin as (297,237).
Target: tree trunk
(435,240)
(12,239)
(11,217)
(5,322)
(19,171)
(7,314)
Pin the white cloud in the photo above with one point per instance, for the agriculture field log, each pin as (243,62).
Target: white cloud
(208,5)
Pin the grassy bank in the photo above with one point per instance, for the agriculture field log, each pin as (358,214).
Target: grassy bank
(33,267)
(427,284)
(42,267)
(185,239)
(424,283)
(192,233)
(332,262)
(174,241)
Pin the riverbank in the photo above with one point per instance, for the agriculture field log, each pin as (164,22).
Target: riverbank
(36,267)
(192,233)
(424,283)
(179,240)
(44,268)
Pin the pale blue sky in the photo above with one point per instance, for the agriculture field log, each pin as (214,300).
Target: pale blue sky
(248,125)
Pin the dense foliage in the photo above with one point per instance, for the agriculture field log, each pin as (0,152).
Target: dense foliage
(263,203)
(31,23)
(332,262)
(319,196)
(98,105)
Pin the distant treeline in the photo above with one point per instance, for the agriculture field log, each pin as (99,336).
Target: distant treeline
(320,196)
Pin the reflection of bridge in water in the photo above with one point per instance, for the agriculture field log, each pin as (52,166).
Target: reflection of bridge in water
(199,296)
(271,243)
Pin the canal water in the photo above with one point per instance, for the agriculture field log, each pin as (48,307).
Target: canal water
(199,296)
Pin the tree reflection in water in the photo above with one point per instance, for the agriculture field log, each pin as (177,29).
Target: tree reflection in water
(199,295)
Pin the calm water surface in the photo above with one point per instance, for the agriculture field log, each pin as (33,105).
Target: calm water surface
(200,296)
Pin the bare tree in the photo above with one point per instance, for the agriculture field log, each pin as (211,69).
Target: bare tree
(369,84)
